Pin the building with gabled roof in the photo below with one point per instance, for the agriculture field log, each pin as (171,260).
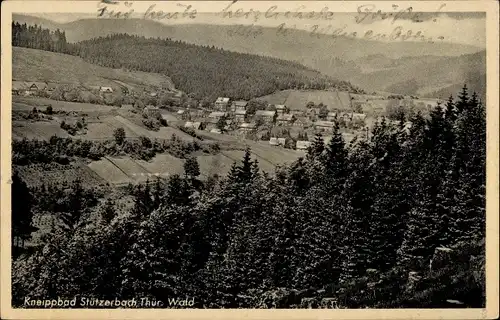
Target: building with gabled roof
(268,116)
(238,105)
(37,85)
(331,116)
(327,126)
(358,116)
(273,141)
(285,119)
(302,145)
(152,111)
(19,87)
(217,115)
(196,125)
(281,108)
(106,89)
(247,127)
(240,115)
(221,103)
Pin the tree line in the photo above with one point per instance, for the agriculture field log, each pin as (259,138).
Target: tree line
(36,37)
(346,221)
(64,150)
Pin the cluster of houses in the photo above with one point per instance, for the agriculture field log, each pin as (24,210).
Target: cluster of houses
(36,88)
(233,116)
(30,88)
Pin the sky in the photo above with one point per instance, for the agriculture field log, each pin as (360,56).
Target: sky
(456,27)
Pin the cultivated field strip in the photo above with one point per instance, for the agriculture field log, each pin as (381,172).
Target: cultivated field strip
(132,169)
(35,175)
(27,103)
(132,127)
(37,130)
(163,165)
(109,172)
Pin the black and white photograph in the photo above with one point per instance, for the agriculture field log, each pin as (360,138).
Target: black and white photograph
(250,155)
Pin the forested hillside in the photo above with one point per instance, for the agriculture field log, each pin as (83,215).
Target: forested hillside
(432,65)
(205,72)
(396,221)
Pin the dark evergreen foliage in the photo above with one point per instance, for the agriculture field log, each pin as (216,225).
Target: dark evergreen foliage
(364,223)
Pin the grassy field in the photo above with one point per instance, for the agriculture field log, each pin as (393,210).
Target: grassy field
(168,132)
(109,172)
(20,103)
(37,130)
(131,168)
(37,65)
(163,165)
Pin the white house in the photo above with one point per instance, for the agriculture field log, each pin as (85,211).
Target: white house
(106,89)
(240,105)
(302,145)
(221,103)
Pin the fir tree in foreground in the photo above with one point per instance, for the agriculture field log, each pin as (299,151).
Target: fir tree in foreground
(352,222)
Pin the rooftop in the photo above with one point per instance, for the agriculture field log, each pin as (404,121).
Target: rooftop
(247,125)
(265,113)
(217,114)
(302,144)
(286,117)
(324,124)
(240,103)
(222,99)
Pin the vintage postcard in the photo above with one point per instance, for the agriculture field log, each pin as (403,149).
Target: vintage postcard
(249,159)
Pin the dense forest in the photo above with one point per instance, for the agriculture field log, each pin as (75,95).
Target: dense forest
(203,71)
(394,221)
(37,38)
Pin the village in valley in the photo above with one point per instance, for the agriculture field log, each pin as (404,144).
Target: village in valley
(288,123)
(150,160)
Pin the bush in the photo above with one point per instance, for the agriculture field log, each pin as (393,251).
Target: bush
(151,124)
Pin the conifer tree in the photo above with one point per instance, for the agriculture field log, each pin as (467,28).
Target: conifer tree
(22,214)
(336,154)
(463,100)
(191,168)
(317,147)
(470,162)
(245,171)
(71,217)
(108,212)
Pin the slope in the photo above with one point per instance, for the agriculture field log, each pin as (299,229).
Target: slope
(38,65)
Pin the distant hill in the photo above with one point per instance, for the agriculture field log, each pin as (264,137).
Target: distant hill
(371,65)
(431,76)
(38,65)
(298,44)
